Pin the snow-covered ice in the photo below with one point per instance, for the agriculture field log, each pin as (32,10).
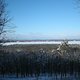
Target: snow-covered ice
(41,42)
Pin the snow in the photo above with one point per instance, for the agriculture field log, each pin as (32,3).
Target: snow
(74,42)
(33,42)
(41,42)
(58,77)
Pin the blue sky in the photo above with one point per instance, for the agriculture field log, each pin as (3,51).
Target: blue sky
(45,19)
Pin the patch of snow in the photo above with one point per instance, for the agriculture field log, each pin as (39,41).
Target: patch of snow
(53,77)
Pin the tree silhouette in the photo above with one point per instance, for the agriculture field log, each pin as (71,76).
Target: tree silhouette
(4,19)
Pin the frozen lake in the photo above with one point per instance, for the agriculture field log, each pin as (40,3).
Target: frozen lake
(41,42)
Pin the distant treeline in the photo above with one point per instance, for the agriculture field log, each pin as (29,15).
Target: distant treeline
(42,40)
(38,62)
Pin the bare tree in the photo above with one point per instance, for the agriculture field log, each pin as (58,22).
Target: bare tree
(4,19)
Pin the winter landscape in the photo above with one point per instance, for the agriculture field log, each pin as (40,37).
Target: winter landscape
(39,39)
(31,61)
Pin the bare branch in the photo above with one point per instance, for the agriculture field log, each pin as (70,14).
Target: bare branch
(4,18)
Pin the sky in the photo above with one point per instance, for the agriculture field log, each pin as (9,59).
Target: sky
(45,19)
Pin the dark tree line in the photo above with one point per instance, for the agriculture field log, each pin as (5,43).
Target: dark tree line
(36,63)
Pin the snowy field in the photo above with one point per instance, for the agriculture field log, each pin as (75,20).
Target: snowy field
(58,77)
(41,42)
